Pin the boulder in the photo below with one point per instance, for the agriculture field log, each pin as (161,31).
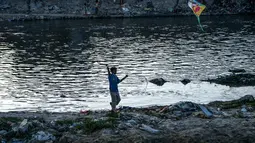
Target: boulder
(185,81)
(246,98)
(158,81)
(235,80)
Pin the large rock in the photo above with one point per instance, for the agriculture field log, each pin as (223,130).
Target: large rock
(158,81)
(235,80)
(247,99)
(185,81)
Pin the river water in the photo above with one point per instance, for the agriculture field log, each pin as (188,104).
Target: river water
(60,65)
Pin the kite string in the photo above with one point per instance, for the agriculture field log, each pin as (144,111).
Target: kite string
(139,77)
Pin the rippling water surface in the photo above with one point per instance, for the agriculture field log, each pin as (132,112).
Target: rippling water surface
(60,65)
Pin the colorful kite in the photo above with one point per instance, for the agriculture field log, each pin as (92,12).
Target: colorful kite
(197,9)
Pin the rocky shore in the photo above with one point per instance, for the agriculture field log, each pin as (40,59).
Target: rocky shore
(75,9)
(234,78)
(237,78)
(229,121)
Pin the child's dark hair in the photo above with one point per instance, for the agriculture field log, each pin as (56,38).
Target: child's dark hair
(113,69)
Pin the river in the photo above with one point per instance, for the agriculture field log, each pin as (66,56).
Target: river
(59,65)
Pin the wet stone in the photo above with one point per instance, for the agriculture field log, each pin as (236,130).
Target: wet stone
(235,80)
(185,81)
(158,81)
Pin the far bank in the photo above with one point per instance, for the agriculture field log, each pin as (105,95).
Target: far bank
(76,9)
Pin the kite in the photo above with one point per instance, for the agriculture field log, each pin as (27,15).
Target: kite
(197,9)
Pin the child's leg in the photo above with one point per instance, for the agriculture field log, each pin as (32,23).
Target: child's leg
(118,98)
(114,100)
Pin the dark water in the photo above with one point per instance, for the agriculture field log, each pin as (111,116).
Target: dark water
(43,60)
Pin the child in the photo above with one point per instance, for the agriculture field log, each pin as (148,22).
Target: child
(114,81)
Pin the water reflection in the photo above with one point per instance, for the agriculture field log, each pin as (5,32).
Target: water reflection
(42,62)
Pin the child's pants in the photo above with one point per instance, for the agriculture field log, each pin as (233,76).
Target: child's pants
(115,99)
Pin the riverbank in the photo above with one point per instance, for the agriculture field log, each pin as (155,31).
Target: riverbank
(230,121)
(31,17)
(66,9)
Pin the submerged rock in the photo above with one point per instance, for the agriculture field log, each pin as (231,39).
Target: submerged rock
(158,81)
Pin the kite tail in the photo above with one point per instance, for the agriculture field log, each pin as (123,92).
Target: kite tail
(198,19)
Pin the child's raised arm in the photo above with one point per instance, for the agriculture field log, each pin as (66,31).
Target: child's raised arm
(108,70)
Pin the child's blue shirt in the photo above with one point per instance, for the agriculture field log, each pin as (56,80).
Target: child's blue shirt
(113,81)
